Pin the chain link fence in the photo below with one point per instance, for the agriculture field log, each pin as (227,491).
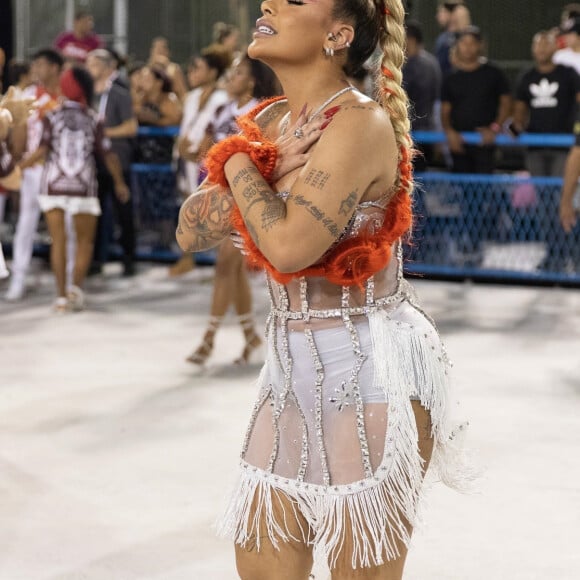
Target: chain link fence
(492,226)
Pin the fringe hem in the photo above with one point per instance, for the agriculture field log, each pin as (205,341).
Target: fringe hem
(371,517)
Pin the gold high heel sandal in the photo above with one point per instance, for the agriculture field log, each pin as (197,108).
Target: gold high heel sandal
(251,351)
(200,355)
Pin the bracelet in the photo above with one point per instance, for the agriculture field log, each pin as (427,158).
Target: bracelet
(263,154)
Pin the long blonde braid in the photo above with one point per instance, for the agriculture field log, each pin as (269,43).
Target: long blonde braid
(392,96)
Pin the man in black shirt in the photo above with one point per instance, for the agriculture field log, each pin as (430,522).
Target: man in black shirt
(114,107)
(546,97)
(476,97)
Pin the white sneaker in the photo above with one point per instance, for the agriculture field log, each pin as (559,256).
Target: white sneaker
(16,289)
(76,298)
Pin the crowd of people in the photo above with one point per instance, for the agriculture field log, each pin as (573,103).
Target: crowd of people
(458,90)
(84,157)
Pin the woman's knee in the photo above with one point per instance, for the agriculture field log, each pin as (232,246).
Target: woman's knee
(247,563)
(289,561)
(391,570)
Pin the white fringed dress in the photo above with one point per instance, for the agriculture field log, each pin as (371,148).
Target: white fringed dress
(333,428)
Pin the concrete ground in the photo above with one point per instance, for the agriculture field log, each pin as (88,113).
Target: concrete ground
(116,455)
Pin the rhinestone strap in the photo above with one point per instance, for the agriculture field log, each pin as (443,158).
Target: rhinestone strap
(318,404)
(360,359)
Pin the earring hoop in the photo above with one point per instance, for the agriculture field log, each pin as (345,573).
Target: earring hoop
(329,51)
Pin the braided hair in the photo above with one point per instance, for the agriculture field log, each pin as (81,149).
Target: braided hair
(381,23)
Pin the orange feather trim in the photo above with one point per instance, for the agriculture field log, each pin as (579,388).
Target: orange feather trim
(262,152)
(353,261)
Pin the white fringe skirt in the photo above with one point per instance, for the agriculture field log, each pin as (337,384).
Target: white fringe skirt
(334,433)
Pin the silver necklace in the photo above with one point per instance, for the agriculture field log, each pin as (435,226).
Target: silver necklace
(286,119)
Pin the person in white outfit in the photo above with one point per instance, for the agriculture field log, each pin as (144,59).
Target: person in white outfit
(72,139)
(200,107)
(199,110)
(46,68)
(248,82)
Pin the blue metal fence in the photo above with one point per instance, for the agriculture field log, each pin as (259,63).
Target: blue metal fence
(494,227)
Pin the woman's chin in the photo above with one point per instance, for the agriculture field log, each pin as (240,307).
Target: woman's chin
(259,49)
(256,49)
(258,52)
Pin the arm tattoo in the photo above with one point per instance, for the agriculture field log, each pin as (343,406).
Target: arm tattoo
(245,175)
(359,107)
(269,114)
(348,204)
(205,217)
(253,232)
(273,212)
(317,179)
(330,225)
(256,190)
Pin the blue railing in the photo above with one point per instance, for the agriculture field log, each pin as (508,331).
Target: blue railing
(431,137)
(496,227)
(524,140)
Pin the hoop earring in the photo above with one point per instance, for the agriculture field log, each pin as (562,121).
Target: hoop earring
(329,51)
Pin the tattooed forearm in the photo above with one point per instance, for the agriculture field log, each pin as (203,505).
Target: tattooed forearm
(254,190)
(317,179)
(253,232)
(330,225)
(245,175)
(273,212)
(348,204)
(204,220)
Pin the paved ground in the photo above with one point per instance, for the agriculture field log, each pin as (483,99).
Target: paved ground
(115,455)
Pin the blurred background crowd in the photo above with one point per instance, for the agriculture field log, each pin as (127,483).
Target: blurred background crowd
(159,116)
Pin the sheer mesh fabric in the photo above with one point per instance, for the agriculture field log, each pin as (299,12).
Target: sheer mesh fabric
(337,442)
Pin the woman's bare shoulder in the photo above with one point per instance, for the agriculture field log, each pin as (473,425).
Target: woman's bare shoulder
(360,106)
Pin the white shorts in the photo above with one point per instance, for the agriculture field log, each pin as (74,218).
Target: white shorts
(70,204)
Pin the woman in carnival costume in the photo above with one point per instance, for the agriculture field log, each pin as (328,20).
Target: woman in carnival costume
(353,403)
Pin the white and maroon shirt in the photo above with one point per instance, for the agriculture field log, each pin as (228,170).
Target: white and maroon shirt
(74,138)
(77,49)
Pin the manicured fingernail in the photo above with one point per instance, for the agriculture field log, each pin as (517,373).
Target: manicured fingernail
(325,124)
(331,112)
(303,109)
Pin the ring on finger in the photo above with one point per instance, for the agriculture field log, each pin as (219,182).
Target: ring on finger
(299,133)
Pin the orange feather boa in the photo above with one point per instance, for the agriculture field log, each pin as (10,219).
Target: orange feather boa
(353,261)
